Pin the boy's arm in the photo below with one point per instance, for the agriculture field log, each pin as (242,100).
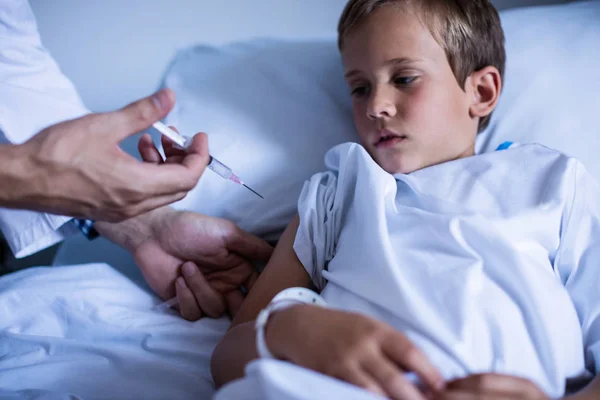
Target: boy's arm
(237,348)
(590,392)
(351,347)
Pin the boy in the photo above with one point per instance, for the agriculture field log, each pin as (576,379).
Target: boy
(475,272)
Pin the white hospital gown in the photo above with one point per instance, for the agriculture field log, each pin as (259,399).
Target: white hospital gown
(488,263)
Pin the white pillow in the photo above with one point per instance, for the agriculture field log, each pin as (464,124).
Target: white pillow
(272,109)
(551,94)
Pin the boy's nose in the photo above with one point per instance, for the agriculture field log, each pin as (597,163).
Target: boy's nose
(381,105)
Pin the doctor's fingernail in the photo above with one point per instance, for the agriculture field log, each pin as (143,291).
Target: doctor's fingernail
(181,282)
(162,99)
(189,269)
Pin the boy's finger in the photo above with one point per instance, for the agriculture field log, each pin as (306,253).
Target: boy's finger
(390,378)
(400,350)
(461,395)
(360,378)
(210,301)
(188,308)
(498,384)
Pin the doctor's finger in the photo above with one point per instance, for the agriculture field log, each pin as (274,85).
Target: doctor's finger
(230,279)
(196,155)
(148,150)
(152,202)
(170,148)
(188,308)
(209,300)
(137,116)
(167,178)
(249,246)
(162,179)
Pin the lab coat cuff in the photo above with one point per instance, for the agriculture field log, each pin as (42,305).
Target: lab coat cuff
(44,232)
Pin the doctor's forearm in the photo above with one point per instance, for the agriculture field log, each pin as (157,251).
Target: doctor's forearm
(14,176)
(130,233)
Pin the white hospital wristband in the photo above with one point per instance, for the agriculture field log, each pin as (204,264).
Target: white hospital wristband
(284,299)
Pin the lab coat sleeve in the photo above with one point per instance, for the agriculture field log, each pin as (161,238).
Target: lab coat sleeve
(34,94)
(578,261)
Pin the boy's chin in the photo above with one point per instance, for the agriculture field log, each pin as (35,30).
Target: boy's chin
(395,161)
(397,165)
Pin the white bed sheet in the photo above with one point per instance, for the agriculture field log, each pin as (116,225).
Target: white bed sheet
(89,332)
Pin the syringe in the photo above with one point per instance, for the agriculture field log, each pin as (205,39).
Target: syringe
(213,164)
(167,304)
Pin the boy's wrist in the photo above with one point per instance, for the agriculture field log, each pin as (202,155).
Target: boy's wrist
(281,329)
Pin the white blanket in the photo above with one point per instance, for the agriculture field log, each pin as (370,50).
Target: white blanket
(88,332)
(278,380)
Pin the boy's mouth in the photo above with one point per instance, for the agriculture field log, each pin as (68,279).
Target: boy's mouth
(387,139)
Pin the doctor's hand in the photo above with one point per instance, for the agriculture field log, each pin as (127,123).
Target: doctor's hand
(76,167)
(351,347)
(214,255)
(491,387)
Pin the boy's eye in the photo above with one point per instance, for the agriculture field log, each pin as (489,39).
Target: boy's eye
(404,80)
(359,91)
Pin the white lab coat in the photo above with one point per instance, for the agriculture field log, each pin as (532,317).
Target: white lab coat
(34,94)
(488,263)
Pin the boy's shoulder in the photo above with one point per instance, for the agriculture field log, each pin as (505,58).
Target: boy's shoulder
(530,160)
(531,154)
(530,148)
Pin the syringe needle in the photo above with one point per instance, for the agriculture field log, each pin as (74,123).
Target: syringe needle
(253,191)
(236,179)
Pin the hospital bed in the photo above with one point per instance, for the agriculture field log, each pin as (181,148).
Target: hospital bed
(264,79)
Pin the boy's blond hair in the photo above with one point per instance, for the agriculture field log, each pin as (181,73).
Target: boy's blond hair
(469,31)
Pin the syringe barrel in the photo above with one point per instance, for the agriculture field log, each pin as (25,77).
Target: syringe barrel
(219,168)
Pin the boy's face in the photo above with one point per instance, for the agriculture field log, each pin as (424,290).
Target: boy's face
(408,108)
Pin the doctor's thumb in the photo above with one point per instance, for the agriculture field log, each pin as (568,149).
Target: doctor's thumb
(140,115)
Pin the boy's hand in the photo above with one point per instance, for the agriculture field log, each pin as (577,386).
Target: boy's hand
(491,387)
(351,347)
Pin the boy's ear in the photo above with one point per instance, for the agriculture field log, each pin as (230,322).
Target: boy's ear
(486,85)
